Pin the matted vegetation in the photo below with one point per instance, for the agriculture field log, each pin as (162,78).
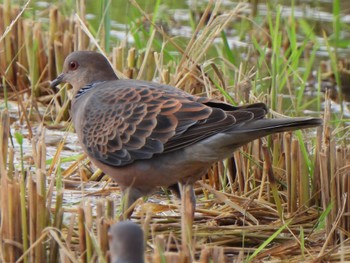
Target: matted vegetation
(281,198)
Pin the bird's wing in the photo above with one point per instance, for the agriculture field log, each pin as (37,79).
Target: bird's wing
(125,124)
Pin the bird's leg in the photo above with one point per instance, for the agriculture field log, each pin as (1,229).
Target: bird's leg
(128,202)
(175,190)
(188,203)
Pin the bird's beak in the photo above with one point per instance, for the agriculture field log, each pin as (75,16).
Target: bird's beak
(57,81)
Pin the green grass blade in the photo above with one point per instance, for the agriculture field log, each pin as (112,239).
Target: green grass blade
(268,241)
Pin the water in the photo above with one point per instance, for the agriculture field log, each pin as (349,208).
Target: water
(176,17)
(177,14)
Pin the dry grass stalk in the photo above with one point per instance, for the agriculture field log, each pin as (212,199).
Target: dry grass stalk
(146,59)
(130,70)
(82,234)
(187,222)
(10,219)
(58,213)
(118,58)
(159,249)
(316,177)
(325,172)
(88,229)
(304,182)
(7,18)
(294,175)
(32,196)
(102,228)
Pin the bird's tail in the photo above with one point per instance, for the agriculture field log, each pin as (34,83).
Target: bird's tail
(279,125)
(221,145)
(250,131)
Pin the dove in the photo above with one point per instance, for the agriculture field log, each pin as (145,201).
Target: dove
(147,135)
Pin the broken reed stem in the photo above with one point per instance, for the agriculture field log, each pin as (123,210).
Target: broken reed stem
(58,215)
(32,193)
(53,28)
(31,44)
(326,171)
(71,229)
(337,203)
(263,182)
(272,180)
(6,222)
(4,138)
(187,214)
(88,229)
(246,165)
(218,254)
(110,208)
(147,60)
(254,163)
(40,214)
(130,70)
(240,171)
(342,187)
(38,210)
(165,76)
(11,226)
(15,216)
(5,92)
(8,46)
(118,58)
(151,67)
(159,249)
(316,177)
(303,179)
(23,199)
(294,176)
(276,149)
(346,185)
(288,165)
(204,256)
(102,228)
(82,234)
(11,162)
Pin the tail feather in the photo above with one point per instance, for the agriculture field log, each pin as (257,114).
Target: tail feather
(278,125)
(250,131)
(221,145)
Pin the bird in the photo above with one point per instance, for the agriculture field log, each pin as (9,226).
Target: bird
(147,135)
(126,243)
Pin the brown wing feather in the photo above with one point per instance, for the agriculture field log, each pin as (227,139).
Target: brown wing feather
(133,123)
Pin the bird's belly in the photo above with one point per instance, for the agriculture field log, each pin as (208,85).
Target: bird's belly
(155,172)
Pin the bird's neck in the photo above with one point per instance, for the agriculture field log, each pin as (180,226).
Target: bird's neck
(86,89)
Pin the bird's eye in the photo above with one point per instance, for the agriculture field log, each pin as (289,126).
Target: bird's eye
(73,65)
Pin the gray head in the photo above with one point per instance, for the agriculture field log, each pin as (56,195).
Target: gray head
(127,244)
(81,68)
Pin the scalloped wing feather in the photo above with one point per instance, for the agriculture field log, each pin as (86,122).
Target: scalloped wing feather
(124,123)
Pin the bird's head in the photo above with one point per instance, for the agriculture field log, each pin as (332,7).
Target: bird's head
(81,68)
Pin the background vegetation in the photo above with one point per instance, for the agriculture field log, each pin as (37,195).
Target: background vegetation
(279,198)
